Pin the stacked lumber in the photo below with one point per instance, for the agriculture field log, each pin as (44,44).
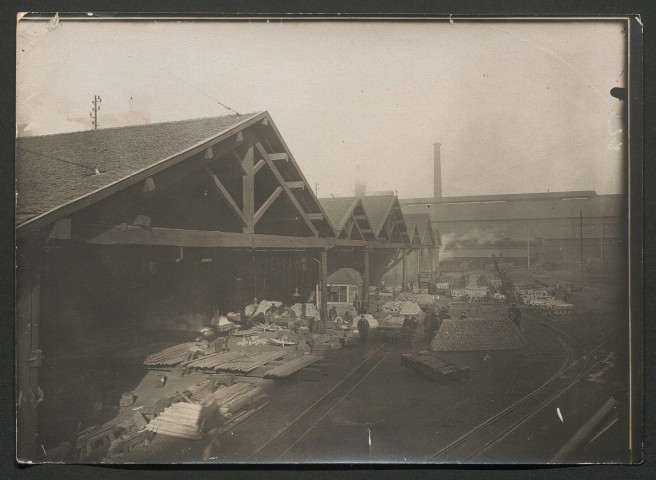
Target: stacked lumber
(170,356)
(293,366)
(182,420)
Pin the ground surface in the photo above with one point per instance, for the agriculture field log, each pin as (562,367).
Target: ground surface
(390,414)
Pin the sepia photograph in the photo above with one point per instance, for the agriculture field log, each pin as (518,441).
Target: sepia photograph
(326,241)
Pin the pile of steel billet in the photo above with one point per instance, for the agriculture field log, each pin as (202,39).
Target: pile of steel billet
(211,361)
(169,356)
(293,366)
(248,363)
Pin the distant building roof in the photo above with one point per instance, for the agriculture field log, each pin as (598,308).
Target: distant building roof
(517,207)
(484,252)
(53,170)
(584,194)
(345,276)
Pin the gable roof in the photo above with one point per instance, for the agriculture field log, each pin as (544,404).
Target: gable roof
(338,210)
(345,276)
(55,170)
(423,222)
(56,174)
(378,208)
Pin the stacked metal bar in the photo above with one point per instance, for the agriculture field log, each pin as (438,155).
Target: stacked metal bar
(169,356)
(182,420)
(211,361)
(293,366)
(233,361)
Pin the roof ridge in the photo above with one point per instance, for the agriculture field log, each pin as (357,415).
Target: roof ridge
(245,115)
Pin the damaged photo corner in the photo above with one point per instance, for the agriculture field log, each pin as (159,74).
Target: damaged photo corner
(328,241)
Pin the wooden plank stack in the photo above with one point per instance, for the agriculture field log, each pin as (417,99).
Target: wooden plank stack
(293,366)
(169,356)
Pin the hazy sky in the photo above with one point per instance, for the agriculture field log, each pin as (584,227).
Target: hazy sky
(517,107)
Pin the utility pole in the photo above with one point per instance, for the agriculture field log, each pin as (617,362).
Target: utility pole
(528,248)
(601,244)
(94,113)
(581,228)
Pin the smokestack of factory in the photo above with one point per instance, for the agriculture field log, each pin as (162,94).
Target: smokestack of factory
(437,181)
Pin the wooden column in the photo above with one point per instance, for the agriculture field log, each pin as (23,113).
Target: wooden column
(404,276)
(324,287)
(248,190)
(365,293)
(28,355)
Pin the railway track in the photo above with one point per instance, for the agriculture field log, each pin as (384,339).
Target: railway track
(474,443)
(278,446)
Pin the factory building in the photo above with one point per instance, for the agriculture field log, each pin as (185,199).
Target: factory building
(553,229)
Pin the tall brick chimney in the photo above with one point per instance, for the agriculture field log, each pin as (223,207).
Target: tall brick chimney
(437,180)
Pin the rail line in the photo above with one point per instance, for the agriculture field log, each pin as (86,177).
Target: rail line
(288,436)
(479,439)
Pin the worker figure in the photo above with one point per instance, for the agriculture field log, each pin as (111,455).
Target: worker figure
(347,318)
(363,329)
(332,313)
(443,315)
(463,316)
(430,327)
(356,304)
(515,315)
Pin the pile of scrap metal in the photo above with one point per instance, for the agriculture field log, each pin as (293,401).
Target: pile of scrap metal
(432,367)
